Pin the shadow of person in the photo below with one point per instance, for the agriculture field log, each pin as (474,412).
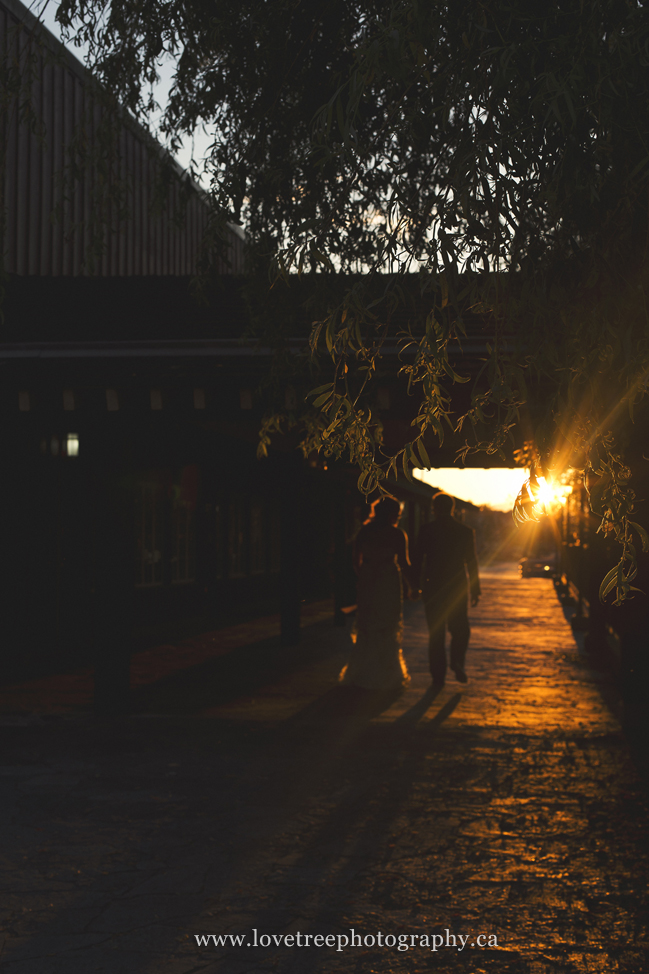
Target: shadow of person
(342,708)
(415,713)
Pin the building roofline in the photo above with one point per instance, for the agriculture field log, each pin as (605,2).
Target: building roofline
(168,348)
(182,348)
(23,14)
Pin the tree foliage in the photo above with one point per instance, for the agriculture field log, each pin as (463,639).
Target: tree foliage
(497,150)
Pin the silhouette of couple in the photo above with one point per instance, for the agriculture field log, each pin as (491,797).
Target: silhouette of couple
(443,553)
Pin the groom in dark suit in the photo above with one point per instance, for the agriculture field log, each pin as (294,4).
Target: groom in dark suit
(443,554)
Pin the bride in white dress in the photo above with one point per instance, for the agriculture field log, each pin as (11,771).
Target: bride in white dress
(381,561)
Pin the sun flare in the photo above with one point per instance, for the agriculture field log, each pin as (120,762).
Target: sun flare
(550,495)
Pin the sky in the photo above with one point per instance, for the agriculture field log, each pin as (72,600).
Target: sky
(45,10)
(496,487)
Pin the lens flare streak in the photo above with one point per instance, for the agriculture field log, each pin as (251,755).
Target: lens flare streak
(538,497)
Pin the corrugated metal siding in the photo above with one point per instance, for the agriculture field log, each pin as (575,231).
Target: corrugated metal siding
(49,223)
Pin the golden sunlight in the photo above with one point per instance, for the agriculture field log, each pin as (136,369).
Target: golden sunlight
(550,495)
(494,487)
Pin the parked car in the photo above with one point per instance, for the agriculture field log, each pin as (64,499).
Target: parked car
(538,567)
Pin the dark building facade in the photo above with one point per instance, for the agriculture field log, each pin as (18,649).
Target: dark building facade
(134,504)
(132,495)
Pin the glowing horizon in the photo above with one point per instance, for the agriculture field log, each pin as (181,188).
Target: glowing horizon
(494,487)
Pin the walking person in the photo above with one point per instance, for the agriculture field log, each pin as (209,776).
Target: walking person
(381,562)
(443,554)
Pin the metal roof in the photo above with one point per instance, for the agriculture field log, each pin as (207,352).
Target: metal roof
(52,211)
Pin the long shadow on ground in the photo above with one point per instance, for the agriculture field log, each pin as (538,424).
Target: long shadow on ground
(238,673)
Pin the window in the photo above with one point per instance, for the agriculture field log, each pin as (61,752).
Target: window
(149,535)
(257,538)
(24,403)
(237,539)
(199,398)
(156,398)
(68,400)
(72,444)
(112,400)
(218,538)
(274,538)
(183,560)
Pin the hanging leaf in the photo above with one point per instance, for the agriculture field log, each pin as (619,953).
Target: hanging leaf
(423,454)
(610,580)
(644,537)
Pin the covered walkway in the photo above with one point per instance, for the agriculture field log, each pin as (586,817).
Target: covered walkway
(503,824)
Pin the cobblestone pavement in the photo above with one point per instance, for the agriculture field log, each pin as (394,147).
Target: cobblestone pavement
(508,809)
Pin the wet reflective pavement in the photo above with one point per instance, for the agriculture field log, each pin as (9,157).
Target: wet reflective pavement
(508,810)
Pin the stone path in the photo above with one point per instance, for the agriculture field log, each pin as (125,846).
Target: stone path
(508,810)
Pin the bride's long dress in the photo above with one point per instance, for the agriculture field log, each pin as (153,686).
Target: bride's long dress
(376,661)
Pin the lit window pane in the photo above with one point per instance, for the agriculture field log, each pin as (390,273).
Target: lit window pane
(72,444)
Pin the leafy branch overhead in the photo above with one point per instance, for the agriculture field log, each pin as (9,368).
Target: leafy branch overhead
(492,158)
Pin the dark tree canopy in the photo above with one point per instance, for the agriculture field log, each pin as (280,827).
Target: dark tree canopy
(501,135)
(499,150)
